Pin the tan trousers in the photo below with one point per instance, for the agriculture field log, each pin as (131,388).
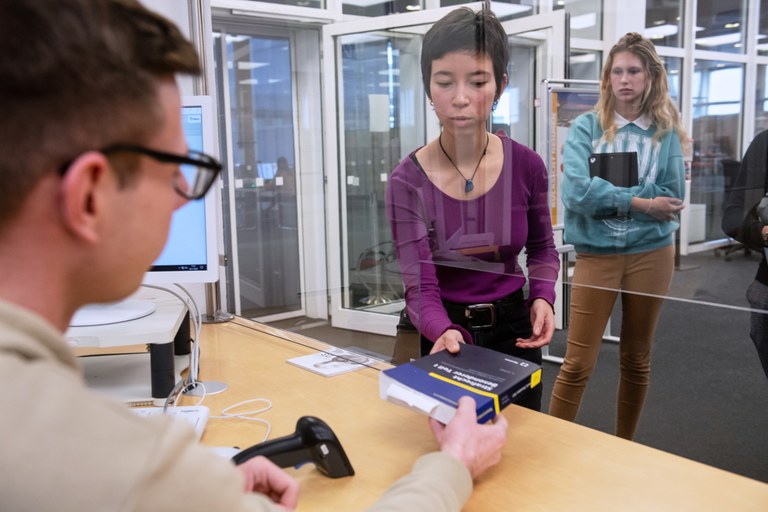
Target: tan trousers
(596,282)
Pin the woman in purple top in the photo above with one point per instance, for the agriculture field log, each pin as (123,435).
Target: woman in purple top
(464,206)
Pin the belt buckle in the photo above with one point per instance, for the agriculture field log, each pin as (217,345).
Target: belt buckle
(471,311)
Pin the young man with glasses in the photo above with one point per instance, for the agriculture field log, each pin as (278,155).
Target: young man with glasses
(91,145)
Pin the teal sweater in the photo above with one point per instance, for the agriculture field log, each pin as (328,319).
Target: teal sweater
(660,172)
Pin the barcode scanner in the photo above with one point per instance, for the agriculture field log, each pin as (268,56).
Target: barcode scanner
(313,441)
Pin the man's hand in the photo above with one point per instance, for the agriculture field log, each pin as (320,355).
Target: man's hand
(543,322)
(450,340)
(477,446)
(265,477)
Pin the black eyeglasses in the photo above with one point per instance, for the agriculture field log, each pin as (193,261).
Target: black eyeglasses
(205,167)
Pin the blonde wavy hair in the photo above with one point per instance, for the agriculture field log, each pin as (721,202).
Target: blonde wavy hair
(655,103)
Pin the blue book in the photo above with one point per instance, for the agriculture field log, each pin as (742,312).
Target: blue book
(433,384)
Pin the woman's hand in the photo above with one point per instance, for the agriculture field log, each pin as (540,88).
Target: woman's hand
(543,321)
(450,340)
(664,208)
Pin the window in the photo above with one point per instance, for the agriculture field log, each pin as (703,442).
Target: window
(664,22)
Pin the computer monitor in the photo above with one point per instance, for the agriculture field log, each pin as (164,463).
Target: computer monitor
(191,252)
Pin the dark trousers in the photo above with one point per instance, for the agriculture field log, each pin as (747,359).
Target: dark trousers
(757,295)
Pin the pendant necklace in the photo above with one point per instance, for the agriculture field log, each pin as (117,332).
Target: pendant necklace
(468,183)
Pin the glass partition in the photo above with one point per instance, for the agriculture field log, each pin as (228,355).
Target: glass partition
(718,92)
(383,114)
(706,382)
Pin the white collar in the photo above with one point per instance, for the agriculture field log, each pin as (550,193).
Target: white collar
(641,122)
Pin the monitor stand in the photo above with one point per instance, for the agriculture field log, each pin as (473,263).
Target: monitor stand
(112,313)
(137,321)
(167,332)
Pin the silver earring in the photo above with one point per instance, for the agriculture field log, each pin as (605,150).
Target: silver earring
(495,104)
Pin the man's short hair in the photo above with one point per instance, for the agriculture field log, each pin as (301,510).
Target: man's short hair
(78,75)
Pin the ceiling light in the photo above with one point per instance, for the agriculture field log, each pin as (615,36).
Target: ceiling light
(583,21)
(660,31)
(504,10)
(719,40)
(583,59)
(363,3)
(247,66)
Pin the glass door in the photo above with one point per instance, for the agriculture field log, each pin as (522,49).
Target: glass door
(263,202)
(373,82)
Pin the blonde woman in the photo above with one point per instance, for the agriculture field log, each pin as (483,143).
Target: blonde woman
(623,235)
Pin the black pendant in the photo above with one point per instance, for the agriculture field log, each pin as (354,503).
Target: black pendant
(469,186)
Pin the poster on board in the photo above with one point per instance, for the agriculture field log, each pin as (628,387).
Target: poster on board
(566,104)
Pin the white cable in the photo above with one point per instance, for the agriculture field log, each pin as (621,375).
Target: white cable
(194,370)
(195,315)
(248,415)
(192,382)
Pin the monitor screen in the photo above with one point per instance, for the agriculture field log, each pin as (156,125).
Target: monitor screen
(191,253)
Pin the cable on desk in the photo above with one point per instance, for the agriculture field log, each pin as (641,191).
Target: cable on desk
(227,413)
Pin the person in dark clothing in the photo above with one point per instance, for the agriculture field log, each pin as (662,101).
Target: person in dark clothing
(746,219)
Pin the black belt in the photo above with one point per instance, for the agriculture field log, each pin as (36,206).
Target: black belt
(482,315)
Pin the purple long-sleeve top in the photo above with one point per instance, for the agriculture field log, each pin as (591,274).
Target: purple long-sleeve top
(466,251)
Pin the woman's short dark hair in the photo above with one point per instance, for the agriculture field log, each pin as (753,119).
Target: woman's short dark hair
(479,32)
